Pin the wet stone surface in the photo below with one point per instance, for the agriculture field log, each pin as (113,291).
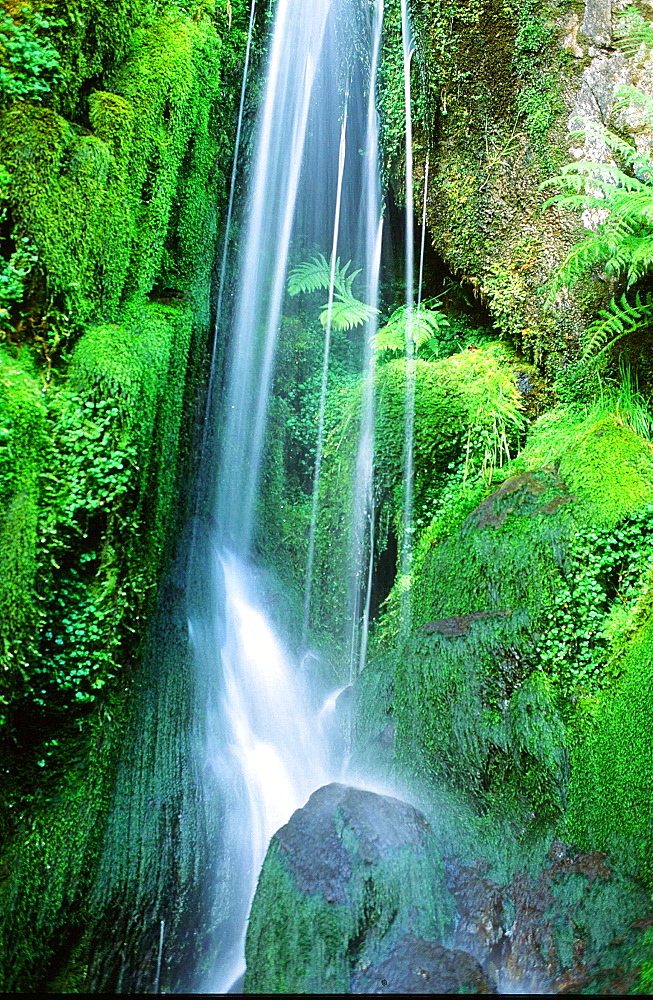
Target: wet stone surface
(418,966)
(312,841)
(565,931)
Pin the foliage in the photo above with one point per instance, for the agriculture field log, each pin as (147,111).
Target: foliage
(426,325)
(596,604)
(29,63)
(460,404)
(617,206)
(633,32)
(346,311)
(13,273)
(620,319)
(107,467)
(539,101)
(612,778)
(108,212)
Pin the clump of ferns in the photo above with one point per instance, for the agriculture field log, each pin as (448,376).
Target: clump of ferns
(617,201)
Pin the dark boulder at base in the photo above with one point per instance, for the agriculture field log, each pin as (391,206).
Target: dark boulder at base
(418,966)
(354,882)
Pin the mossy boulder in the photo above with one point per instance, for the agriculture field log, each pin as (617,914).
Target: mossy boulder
(507,610)
(344,882)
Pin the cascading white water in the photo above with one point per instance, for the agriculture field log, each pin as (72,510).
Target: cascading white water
(325,376)
(267,745)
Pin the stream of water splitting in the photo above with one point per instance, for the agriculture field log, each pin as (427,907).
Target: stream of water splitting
(409,411)
(267,739)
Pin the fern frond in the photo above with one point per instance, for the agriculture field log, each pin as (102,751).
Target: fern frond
(310,276)
(426,324)
(347,312)
(619,319)
(633,32)
(629,96)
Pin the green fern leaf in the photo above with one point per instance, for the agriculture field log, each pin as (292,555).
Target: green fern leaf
(619,319)
(310,276)
(347,313)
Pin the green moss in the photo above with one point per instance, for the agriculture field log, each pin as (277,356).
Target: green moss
(22,454)
(49,865)
(578,442)
(611,792)
(105,210)
(467,409)
(479,702)
(299,942)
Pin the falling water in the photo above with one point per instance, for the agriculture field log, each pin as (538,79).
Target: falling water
(325,376)
(266,742)
(219,314)
(409,424)
(363,508)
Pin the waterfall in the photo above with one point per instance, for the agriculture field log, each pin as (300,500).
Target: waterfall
(325,376)
(409,421)
(363,511)
(266,743)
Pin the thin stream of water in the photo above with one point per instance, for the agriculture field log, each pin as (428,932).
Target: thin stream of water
(342,152)
(227,230)
(409,411)
(363,506)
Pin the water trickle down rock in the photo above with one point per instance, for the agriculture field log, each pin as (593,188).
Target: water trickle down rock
(352,899)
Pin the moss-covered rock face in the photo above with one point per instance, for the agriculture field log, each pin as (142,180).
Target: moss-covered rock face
(509,603)
(518,707)
(115,140)
(508,84)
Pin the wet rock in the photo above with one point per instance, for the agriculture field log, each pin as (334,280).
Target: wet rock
(460,625)
(521,495)
(418,966)
(571,927)
(350,874)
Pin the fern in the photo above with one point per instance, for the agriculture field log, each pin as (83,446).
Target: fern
(619,319)
(310,276)
(622,202)
(426,325)
(346,313)
(314,275)
(633,32)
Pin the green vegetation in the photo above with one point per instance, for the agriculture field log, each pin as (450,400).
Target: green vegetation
(346,311)
(115,140)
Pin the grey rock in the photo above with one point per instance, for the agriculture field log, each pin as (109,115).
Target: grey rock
(597,22)
(312,841)
(417,966)
(350,876)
